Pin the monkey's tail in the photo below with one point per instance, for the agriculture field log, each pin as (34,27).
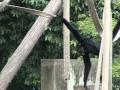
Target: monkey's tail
(3,4)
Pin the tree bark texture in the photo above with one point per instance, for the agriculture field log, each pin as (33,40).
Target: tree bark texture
(19,56)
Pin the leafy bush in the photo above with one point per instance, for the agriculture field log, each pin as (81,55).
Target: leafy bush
(116,72)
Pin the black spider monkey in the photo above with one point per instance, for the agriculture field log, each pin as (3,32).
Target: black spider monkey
(88,45)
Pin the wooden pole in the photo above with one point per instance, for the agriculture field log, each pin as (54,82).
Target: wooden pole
(66,37)
(94,16)
(31,11)
(98,73)
(19,56)
(110,67)
(107,51)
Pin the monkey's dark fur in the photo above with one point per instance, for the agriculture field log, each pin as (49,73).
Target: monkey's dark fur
(88,45)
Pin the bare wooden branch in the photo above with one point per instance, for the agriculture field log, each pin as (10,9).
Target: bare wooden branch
(3,4)
(19,56)
(31,11)
(94,16)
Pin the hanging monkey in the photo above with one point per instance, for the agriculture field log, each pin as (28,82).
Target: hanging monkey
(88,45)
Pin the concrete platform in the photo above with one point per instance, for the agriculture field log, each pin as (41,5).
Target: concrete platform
(52,75)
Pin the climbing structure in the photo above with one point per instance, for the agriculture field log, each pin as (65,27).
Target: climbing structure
(16,60)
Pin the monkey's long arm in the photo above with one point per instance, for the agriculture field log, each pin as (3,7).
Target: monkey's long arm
(3,4)
(73,30)
(85,43)
(31,11)
(116,30)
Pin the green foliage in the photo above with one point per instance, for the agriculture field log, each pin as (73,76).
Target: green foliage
(87,27)
(87,30)
(116,68)
(115,9)
(116,72)
(78,7)
(15,24)
(13,27)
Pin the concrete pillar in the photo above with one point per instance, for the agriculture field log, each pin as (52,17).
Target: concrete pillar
(81,87)
(52,75)
(78,87)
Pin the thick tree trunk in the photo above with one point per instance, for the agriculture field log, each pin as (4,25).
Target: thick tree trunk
(16,60)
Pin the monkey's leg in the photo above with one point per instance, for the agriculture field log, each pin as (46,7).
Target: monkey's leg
(87,66)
